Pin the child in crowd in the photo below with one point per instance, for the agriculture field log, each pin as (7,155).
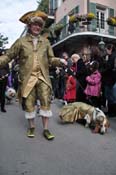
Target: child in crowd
(93,88)
(70,90)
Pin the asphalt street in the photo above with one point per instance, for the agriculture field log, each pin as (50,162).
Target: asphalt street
(74,151)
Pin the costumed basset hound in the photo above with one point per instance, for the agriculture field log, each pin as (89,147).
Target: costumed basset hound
(92,115)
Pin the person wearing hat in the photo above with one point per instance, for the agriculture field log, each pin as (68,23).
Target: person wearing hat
(35,56)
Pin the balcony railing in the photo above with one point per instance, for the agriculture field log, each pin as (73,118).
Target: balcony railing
(95,27)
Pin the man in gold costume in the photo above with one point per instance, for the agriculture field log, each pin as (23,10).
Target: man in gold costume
(35,56)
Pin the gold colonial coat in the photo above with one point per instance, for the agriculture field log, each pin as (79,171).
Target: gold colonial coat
(24,51)
(74,111)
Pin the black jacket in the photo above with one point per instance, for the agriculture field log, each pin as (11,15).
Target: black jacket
(4,71)
(109,73)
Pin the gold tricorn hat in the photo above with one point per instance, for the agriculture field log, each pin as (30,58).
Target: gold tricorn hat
(27,16)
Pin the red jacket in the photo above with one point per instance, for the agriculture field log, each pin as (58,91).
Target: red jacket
(70,92)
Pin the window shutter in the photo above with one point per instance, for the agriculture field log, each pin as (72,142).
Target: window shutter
(64,30)
(92,8)
(76,9)
(111,28)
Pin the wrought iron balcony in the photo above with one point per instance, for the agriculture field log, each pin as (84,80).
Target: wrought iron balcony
(84,27)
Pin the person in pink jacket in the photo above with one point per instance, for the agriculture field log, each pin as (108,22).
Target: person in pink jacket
(93,88)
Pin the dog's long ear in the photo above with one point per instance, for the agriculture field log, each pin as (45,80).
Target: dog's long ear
(107,124)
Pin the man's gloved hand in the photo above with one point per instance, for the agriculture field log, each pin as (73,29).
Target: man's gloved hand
(23,104)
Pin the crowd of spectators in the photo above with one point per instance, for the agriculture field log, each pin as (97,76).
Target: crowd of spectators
(95,79)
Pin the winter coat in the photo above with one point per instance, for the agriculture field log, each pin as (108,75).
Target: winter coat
(70,92)
(81,72)
(93,87)
(109,72)
(4,71)
(23,49)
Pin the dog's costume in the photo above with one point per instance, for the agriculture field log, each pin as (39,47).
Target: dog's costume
(79,110)
(75,111)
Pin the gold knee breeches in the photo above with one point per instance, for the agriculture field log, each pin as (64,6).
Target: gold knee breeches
(42,92)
